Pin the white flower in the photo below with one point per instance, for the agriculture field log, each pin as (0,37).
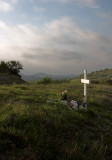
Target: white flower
(66,91)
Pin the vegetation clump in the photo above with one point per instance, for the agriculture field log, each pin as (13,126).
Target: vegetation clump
(46,80)
(109,81)
(11,67)
(101,77)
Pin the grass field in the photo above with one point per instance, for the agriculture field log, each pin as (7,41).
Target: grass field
(34,125)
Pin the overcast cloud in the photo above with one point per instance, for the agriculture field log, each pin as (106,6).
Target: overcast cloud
(87,3)
(56,36)
(7,6)
(59,44)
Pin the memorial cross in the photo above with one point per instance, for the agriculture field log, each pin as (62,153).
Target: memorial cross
(85,81)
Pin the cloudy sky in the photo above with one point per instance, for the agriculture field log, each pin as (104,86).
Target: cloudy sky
(57,36)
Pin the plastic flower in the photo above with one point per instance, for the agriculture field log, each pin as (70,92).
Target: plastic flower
(66,91)
(64,95)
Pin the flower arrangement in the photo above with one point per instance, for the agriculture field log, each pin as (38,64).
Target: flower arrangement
(64,95)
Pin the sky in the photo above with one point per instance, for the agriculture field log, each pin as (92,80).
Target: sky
(57,36)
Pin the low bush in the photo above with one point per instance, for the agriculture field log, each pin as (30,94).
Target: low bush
(109,81)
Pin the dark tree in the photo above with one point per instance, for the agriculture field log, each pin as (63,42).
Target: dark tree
(4,67)
(14,67)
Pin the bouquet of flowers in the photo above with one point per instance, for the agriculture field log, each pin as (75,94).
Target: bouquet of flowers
(64,95)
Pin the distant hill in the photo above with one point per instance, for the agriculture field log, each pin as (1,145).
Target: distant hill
(40,76)
(10,79)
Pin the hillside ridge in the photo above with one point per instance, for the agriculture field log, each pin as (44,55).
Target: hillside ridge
(10,79)
(101,74)
(40,76)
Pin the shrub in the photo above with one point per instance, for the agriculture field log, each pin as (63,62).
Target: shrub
(46,80)
(95,82)
(109,81)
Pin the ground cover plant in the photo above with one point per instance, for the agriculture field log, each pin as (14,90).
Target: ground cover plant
(34,125)
(101,76)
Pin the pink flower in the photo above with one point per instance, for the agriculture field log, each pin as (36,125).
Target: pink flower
(63,93)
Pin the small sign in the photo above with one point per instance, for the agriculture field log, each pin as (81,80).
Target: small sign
(85,81)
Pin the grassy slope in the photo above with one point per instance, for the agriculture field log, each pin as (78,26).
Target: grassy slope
(102,76)
(32,127)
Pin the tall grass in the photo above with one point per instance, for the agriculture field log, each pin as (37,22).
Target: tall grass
(35,125)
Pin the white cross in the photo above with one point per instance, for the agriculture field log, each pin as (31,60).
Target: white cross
(85,81)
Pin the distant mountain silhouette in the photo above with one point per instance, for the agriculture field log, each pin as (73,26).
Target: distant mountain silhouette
(40,76)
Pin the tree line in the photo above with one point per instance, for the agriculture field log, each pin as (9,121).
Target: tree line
(11,67)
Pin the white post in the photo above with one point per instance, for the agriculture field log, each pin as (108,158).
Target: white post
(85,86)
(85,81)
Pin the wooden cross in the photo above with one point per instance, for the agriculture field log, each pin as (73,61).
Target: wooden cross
(85,81)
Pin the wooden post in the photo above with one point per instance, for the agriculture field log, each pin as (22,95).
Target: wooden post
(85,85)
(85,81)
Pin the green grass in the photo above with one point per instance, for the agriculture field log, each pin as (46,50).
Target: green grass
(34,125)
(101,77)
